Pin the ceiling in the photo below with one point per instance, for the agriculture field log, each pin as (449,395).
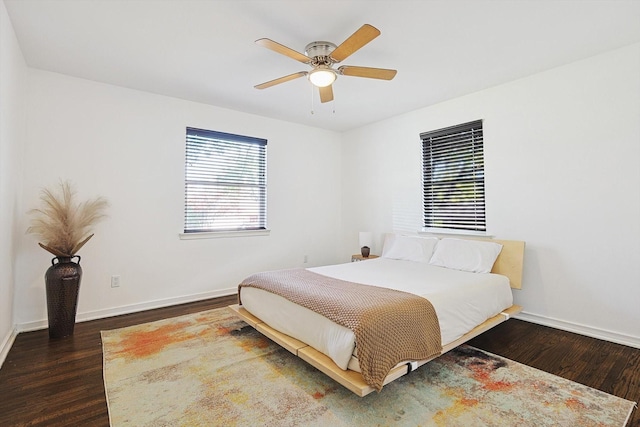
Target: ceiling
(204,51)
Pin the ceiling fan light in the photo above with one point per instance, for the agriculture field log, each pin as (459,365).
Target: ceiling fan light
(322,76)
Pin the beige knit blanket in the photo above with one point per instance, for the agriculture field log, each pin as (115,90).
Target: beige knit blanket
(390,326)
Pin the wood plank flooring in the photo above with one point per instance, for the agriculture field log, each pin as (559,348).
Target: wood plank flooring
(59,382)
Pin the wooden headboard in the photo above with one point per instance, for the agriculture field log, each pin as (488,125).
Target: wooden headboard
(510,261)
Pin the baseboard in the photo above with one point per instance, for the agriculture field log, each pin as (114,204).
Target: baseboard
(577,328)
(589,331)
(133,308)
(7,342)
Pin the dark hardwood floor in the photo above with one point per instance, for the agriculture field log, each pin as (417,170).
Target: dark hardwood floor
(59,382)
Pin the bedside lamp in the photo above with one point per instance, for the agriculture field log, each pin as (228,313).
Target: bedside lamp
(366,241)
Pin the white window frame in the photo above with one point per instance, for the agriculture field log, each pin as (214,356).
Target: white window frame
(453,180)
(225,185)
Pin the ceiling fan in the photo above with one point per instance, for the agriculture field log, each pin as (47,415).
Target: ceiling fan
(321,56)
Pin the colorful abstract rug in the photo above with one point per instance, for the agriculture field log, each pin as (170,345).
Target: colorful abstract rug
(212,369)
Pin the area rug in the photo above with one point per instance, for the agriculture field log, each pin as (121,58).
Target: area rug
(212,369)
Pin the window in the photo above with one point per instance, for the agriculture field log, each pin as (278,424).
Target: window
(453,178)
(225,182)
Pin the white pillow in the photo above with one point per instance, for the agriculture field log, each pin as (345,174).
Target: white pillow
(467,255)
(409,248)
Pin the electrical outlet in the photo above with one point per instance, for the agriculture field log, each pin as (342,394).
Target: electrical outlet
(115,281)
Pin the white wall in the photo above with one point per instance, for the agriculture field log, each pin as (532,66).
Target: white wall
(562,152)
(13,72)
(128,146)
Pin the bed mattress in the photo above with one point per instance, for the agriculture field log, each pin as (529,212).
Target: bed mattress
(462,300)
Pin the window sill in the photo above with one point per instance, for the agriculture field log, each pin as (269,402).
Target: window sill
(223,234)
(455,232)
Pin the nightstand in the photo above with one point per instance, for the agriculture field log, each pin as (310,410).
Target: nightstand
(358,257)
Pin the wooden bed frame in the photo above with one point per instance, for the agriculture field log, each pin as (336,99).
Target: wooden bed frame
(509,263)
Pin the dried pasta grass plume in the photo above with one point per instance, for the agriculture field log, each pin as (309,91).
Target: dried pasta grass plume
(63,225)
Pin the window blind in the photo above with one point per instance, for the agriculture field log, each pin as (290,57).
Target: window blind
(453,178)
(225,182)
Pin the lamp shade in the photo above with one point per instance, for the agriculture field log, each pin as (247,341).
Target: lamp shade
(366,238)
(322,76)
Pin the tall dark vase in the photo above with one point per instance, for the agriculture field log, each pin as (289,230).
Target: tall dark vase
(63,283)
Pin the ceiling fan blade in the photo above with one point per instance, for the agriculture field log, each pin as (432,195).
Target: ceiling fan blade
(371,73)
(326,93)
(282,49)
(361,37)
(281,80)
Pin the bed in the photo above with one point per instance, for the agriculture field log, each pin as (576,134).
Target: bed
(468,283)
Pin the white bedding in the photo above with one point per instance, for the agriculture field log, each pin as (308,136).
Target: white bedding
(462,300)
